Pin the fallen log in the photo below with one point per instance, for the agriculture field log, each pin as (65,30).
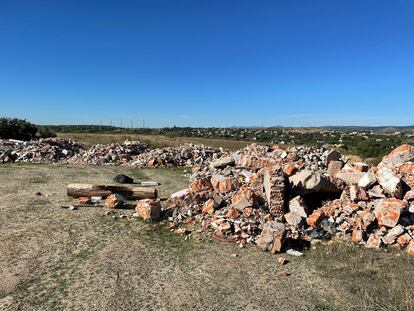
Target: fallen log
(89,190)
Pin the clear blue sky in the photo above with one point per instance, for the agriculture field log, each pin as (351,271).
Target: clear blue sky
(208,63)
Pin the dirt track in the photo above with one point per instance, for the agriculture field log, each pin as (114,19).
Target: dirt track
(56,259)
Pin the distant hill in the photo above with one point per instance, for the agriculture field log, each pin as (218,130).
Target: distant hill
(379,129)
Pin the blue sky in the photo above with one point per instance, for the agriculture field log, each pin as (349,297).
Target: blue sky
(208,63)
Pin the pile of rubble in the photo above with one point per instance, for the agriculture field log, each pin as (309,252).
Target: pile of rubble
(48,150)
(184,155)
(267,195)
(131,153)
(134,153)
(110,154)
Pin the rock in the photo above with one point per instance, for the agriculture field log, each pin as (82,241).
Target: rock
(387,212)
(407,168)
(272,237)
(393,234)
(314,219)
(410,248)
(84,200)
(242,199)
(123,179)
(223,184)
(222,162)
(367,180)
(357,194)
(374,241)
(350,176)
(115,201)
(409,196)
(389,182)
(297,205)
(289,170)
(404,239)
(199,185)
(360,166)
(308,181)
(209,207)
(224,228)
(401,154)
(293,219)
(148,209)
(293,252)
(333,155)
(357,235)
(334,167)
(180,194)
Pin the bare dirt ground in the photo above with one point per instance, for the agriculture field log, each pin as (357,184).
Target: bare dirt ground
(56,259)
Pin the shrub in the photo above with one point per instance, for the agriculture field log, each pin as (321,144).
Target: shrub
(13,128)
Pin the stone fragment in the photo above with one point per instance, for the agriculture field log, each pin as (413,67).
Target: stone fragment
(222,162)
(410,248)
(199,185)
(387,212)
(401,154)
(293,252)
(334,167)
(84,200)
(367,180)
(289,169)
(293,219)
(149,209)
(180,194)
(360,166)
(333,155)
(297,205)
(357,193)
(409,196)
(393,234)
(314,219)
(357,235)
(374,241)
(282,261)
(115,201)
(404,239)
(272,237)
(350,176)
(209,207)
(308,181)
(224,228)
(242,199)
(407,168)
(223,184)
(389,182)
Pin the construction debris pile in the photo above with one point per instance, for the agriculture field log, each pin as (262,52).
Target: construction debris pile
(110,154)
(48,150)
(260,194)
(134,153)
(184,155)
(130,153)
(268,195)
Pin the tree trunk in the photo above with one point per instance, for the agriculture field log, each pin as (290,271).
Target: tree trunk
(89,190)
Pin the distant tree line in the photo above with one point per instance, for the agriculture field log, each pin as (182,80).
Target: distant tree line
(13,128)
(372,146)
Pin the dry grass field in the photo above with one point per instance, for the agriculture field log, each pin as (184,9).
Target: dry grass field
(154,141)
(53,258)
